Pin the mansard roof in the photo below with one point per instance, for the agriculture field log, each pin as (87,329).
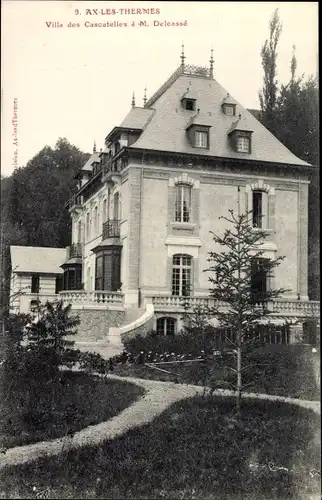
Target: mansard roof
(241,124)
(137,118)
(164,121)
(92,159)
(200,119)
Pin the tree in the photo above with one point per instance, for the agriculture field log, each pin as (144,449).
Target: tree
(32,203)
(268,94)
(53,324)
(291,114)
(233,270)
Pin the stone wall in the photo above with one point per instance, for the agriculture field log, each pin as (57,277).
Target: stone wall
(94,325)
(140,330)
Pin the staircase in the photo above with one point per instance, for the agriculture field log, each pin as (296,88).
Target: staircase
(103,331)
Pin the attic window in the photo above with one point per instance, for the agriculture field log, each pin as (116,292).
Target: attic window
(243,144)
(189,104)
(229,109)
(201,138)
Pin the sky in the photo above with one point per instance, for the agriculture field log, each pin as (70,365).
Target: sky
(77,82)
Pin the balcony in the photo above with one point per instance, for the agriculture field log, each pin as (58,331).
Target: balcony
(112,168)
(111,229)
(76,250)
(75,202)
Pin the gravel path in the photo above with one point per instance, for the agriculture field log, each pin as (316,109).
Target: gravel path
(158,397)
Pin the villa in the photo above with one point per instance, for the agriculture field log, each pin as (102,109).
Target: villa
(146,203)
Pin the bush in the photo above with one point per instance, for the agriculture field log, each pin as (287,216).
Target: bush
(181,344)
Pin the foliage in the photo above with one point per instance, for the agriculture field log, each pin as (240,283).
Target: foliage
(33,199)
(195,319)
(268,94)
(232,269)
(32,354)
(277,368)
(42,410)
(290,112)
(52,325)
(196,450)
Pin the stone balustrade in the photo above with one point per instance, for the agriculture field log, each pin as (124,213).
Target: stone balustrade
(92,300)
(278,307)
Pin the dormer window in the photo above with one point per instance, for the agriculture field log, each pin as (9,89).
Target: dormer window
(228,106)
(201,138)
(198,133)
(243,144)
(240,136)
(229,109)
(188,103)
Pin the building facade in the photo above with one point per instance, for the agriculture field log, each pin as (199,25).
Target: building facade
(146,204)
(36,277)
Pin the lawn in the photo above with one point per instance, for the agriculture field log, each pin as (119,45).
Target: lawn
(39,411)
(194,450)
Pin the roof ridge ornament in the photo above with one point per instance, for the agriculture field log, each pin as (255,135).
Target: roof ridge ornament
(182,57)
(94,147)
(211,72)
(145,98)
(133,100)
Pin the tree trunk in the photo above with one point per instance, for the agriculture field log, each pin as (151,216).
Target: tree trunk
(239,374)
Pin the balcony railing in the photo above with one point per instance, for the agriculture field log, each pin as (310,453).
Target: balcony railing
(90,299)
(75,201)
(75,250)
(111,229)
(298,307)
(112,166)
(279,307)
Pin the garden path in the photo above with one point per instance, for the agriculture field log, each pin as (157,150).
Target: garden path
(158,397)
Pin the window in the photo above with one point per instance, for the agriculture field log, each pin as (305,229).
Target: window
(189,104)
(73,278)
(35,284)
(95,220)
(181,275)
(243,144)
(108,203)
(259,277)
(257,209)
(116,206)
(59,283)
(108,270)
(98,222)
(166,326)
(105,217)
(88,226)
(201,139)
(229,110)
(183,203)
(79,232)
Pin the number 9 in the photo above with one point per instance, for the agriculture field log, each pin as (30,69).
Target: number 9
(76,12)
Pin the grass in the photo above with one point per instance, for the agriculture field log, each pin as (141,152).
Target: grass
(37,411)
(282,370)
(197,449)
